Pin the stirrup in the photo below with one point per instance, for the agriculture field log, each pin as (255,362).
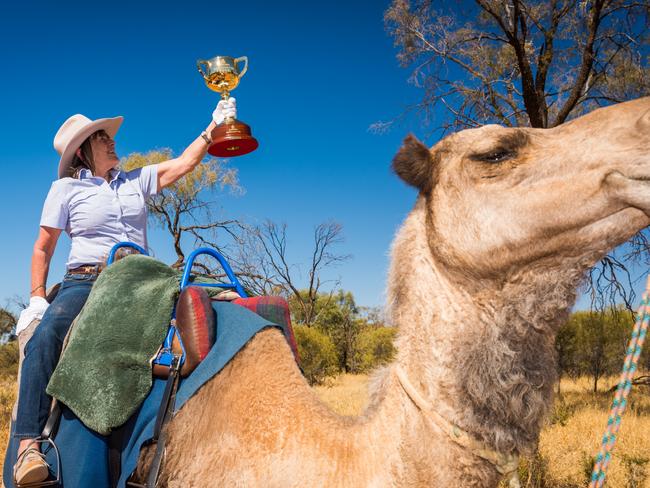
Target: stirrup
(39,441)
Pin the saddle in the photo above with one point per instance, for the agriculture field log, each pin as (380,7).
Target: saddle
(194,328)
(192,332)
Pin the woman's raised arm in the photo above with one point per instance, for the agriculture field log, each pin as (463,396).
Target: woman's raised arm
(171,171)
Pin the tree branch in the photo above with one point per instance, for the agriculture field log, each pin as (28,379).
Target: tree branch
(585,65)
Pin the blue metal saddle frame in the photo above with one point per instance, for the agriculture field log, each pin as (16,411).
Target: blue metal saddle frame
(165,356)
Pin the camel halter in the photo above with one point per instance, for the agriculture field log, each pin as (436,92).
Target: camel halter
(505,464)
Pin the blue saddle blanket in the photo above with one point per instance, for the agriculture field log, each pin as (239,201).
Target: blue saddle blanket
(84,453)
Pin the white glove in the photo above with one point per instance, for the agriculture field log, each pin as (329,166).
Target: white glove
(225,109)
(35,311)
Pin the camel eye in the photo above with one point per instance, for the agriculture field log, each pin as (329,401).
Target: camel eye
(493,157)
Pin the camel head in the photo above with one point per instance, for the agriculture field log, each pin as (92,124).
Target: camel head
(499,199)
(507,222)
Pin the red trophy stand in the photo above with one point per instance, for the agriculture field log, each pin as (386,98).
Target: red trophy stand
(232,138)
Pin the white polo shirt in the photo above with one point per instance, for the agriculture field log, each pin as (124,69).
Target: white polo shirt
(97,214)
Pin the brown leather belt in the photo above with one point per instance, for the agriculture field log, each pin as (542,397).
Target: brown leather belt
(87,269)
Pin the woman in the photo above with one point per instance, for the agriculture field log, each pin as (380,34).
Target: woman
(97,205)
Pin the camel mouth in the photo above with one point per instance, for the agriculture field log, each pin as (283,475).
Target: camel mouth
(639,178)
(636,193)
(632,190)
(618,179)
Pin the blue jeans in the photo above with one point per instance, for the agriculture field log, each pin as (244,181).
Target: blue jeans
(42,354)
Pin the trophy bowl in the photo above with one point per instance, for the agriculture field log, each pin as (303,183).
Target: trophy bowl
(222,74)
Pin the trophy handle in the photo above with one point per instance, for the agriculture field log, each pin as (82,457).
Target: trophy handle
(199,64)
(245,60)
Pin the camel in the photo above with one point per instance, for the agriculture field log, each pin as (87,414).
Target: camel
(484,270)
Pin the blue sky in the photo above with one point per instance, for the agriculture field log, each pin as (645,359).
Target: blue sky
(320,74)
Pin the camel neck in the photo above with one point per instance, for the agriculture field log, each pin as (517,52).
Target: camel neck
(484,352)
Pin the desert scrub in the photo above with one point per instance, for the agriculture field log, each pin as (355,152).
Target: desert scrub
(317,354)
(636,469)
(561,412)
(9,360)
(567,446)
(569,440)
(346,395)
(7,398)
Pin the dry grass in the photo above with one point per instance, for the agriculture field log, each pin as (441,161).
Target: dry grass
(572,434)
(346,395)
(7,398)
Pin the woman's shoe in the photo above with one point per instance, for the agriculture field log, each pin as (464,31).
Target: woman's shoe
(30,467)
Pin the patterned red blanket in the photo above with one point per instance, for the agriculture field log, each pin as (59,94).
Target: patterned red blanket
(276,310)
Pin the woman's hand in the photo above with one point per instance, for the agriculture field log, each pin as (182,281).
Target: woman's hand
(225,109)
(35,310)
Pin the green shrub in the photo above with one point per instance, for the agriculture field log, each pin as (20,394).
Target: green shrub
(317,354)
(561,412)
(636,470)
(9,359)
(375,347)
(588,462)
(533,471)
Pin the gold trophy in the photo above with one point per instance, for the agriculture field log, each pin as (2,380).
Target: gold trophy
(232,137)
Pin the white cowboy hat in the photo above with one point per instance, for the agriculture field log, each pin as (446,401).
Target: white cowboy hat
(75,131)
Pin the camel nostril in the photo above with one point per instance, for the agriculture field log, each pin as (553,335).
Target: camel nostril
(644,121)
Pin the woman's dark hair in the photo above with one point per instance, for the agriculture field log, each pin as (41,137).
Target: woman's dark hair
(86,160)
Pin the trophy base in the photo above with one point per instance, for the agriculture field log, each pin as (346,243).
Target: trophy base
(232,138)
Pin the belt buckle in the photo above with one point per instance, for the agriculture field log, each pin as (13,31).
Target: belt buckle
(86,269)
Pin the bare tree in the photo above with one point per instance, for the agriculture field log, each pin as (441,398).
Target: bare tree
(522,62)
(373,315)
(188,208)
(527,63)
(264,266)
(7,320)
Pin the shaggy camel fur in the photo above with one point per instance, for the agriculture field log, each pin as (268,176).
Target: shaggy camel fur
(484,270)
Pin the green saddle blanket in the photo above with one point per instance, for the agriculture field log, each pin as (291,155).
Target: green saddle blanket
(104,373)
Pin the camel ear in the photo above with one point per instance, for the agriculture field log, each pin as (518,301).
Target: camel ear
(414,164)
